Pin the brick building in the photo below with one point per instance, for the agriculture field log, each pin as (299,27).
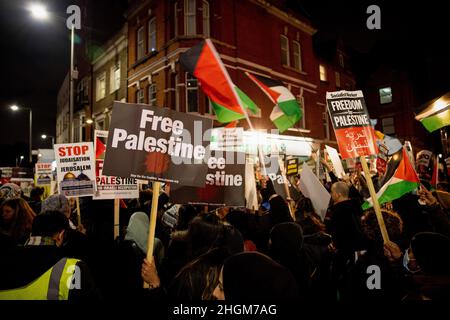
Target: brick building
(250,35)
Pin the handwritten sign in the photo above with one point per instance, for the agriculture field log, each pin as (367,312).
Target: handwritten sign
(351,124)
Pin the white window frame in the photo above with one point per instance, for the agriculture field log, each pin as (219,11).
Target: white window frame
(152,35)
(301,101)
(100,118)
(177,92)
(206,23)
(323,73)
(284,51)
(140,43)
(190,16)
(140,92)
(151,91)
(297,55)
(379,95)
(100,92)
(191,89)
(337,76)
(114,81)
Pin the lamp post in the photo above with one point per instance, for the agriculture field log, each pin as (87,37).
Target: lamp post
(30,140)
(44,137)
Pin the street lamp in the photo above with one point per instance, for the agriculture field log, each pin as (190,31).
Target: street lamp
(40,12)
(17,108)
(44,136)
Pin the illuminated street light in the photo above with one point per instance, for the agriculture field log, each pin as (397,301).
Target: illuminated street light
(39,11)
(89,121)
(14,108)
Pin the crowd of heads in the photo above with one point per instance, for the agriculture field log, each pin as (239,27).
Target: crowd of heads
(284,251)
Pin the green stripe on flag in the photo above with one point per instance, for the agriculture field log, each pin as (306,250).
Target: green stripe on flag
(437,121)
(285,122)
(246,101)
(290,108)
(394,191)
(225,115)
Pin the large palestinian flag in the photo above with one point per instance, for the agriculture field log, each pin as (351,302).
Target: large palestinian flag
(203,62)
(403,181)
(286,111)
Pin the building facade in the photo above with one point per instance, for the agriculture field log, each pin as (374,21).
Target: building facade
(109,78)
(250,35)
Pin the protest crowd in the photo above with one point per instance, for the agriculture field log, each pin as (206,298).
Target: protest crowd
(194,234)
(232,253)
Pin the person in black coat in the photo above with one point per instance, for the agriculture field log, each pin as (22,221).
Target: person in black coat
(23,264)
(344,226)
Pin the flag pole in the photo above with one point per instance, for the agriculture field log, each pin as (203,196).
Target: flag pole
(376,204)
(116,218)
(247,118)
(151,231)
(77,200)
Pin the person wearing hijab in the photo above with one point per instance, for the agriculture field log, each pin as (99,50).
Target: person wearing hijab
(254,277)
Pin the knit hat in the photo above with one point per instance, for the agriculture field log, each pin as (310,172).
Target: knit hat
(9,191)
(56,202)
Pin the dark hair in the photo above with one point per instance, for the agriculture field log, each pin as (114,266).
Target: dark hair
(370,227)
(20,227)
(198,279)
(48,223)
(36,192)
(307,217)
(185,215)
(206,231)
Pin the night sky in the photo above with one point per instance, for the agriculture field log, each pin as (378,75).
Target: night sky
(35,54)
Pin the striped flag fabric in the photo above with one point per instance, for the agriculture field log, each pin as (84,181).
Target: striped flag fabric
(228,101)
(437,114)
(403,181)
(286,111)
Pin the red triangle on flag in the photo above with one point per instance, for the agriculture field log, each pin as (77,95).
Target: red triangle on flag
(405,171)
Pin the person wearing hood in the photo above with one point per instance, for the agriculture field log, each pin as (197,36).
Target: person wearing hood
(254,277)
(427,260)
(286,248)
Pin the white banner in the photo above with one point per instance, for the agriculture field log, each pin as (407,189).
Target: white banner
(110,187)
(336,161)
(311,187)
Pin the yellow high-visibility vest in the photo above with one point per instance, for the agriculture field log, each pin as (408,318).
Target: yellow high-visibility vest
(54,284)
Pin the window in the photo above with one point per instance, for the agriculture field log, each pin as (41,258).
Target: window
(177,93)
(152,35)
(140,96)
(388,126)
(191,94)
(101,87)
(152,94)
(338,79)
(175,19)
(100,124)
(114,78)
(206,19)
(323,73)
(385,95)
(301,102)
(140,43)
(284,51)
(341,59)
(190,27)
(297,56)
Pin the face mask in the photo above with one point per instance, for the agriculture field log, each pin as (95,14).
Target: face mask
(410,264)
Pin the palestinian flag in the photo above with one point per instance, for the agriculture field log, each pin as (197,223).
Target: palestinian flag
(403,181)
(203,62)
(286,111)
(437,114)
(100,148)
